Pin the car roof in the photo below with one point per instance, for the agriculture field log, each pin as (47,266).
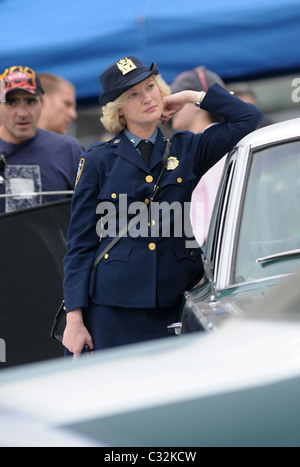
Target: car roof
(272,133)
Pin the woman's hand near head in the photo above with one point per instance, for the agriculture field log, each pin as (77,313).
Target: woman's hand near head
(175,102)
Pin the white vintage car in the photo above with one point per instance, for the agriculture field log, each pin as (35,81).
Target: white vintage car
(254,237)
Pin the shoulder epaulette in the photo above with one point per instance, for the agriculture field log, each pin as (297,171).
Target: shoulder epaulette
(94,146)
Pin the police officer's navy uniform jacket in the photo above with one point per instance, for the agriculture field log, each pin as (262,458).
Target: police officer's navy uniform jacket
(145,271)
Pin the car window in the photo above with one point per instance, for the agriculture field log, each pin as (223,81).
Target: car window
(270,223)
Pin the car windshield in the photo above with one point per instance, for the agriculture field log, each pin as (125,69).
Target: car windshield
(269,238)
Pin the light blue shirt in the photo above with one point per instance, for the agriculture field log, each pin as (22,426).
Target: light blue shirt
(135,139)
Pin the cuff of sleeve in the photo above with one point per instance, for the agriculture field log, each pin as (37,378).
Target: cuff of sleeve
(200,99)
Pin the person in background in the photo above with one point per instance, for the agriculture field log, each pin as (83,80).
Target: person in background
(32,160)
(197,120)
(245,91)
(59,108)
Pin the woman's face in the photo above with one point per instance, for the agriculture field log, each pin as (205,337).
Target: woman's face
(143,107)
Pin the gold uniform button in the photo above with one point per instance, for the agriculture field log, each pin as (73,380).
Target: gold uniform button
(149,179)
(114,195)
(152,246)
(192,253)
(146,201)
(179,180)
(106,256)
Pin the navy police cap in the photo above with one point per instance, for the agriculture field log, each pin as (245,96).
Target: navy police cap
(123,75)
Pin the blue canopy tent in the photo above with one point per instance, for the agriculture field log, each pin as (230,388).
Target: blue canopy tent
(77,40)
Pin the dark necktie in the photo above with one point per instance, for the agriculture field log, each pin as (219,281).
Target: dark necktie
(146,148)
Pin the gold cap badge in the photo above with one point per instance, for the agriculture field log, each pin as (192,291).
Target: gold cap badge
(126,65)
(172,163)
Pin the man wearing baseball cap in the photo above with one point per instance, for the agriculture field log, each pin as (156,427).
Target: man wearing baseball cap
(31,159)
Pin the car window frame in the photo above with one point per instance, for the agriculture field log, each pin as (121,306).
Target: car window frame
(218,219)
(252,152)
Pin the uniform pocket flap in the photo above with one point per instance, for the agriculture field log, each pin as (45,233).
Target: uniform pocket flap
(182,252)
(118,253)
(179,176)
(114,189)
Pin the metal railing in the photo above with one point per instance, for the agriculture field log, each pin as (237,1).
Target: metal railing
(38,193)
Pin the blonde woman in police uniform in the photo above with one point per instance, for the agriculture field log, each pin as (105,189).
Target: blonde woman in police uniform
(135,291)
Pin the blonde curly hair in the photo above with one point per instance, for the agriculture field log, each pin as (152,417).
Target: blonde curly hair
(110,118)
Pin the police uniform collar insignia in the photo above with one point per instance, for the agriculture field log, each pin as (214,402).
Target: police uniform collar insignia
(117,141)
(126,65)
(172,163)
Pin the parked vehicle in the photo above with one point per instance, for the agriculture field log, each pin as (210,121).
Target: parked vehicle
(254,237)
(235,387)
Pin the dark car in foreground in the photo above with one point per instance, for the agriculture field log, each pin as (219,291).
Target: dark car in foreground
(254,237)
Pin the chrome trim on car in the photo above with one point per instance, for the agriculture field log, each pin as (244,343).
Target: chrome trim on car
(256,281)
(278,256)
